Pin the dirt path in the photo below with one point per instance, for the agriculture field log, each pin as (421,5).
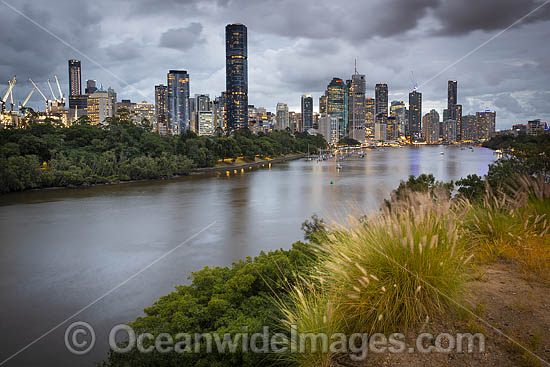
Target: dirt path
(513,305)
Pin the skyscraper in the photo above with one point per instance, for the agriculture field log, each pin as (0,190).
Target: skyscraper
(458,122)
(160,106)
(283,120)
(358,86)
(337,104)
(323,103)
(430,127)
(369,117)
(177,101)
(91,87)
(236,76)
(307,112)
(75,78)
(381,97)
(452,99)
(415,114)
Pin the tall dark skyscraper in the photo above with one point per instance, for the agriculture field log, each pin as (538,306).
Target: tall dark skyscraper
(381,98)
(75,78)
(177,101)
(307,112)
(236,76)
(415,114)
(452,99)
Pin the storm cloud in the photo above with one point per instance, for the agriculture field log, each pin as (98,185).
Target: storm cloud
(295,47)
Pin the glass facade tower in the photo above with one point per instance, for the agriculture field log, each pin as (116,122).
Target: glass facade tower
(236,76)
(177,98)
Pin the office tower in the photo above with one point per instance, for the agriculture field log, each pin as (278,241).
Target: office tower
(451,99)
(486,122)
(369,117)
(381,97)
(392,128)
(328,127)
(282,116)
(91,87)
(307,112)
(75,78)
(218,107)
(399,111)
(323,103)
(469,128)
(415,114)
(236,76)
(430,127)
(160,108)
(337,104)
(99,107)
(458,116)
(294,121)
(356,93)
(177,101)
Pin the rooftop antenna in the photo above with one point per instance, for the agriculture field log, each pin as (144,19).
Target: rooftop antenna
(415,84)
(356,66)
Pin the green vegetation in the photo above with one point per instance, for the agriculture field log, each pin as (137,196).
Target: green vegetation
(348,142)
(43,155)
(221,300)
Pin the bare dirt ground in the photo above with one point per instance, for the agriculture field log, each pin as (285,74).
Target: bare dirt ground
(517,307)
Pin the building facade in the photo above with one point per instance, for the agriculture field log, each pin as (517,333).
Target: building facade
(430,127)
(337,104)
(160,108)
(307,112)
(328,127)
(356,115)
(486,124)
(177,101)
(282,116)
(381,99)
(99,107)
(236,76)
(75,78)
(415,114)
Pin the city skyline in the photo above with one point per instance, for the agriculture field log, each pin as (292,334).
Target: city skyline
(282,60)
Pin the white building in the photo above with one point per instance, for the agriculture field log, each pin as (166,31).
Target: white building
(329,128)
(283,120)
(380,130)
(205,123)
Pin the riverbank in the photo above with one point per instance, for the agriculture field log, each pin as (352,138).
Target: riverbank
(238,167)
(196,171)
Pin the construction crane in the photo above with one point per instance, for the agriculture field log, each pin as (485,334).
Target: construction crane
(27,99)
(42,94)
(51,90)
(59,89)
(11,84)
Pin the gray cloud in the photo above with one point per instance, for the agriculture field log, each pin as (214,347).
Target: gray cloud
(295,47)
(182,38)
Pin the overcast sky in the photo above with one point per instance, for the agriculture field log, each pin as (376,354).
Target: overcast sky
(294,47)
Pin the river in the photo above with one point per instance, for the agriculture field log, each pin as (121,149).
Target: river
(63,249)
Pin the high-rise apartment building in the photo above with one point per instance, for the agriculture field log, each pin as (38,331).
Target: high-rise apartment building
(486,123)
(356,114)
(236,76)
(177,101)
(415,114)
(369,117)
(399,111)
(323,103)
(307,112)
(430,127)
(75,78)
